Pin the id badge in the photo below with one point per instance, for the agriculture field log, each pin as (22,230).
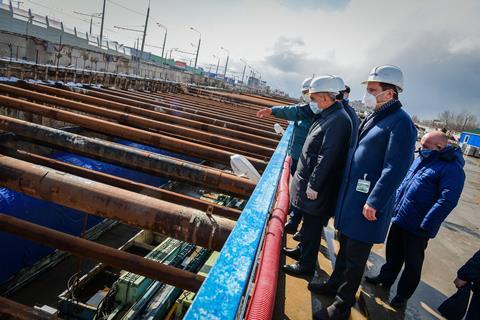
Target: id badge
(363,185)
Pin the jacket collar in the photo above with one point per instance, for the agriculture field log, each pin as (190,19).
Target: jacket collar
(327,112)
(384,111)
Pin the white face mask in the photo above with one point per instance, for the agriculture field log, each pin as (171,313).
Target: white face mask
(314,107)
(369,100)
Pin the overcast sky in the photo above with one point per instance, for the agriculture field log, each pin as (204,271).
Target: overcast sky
(435,42)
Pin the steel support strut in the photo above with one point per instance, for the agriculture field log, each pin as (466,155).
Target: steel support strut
(102,200)
(132,158)
(129,133)
(98,252)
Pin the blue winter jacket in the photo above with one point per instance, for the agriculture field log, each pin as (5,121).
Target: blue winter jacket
(302,117)
(383,153)
(429,192)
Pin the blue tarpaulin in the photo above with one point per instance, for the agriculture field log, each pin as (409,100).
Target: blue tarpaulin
(17,253)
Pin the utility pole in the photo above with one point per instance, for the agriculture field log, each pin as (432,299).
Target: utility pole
(218,63)
(164,37)
(101,26)
(198,47)
(91,15)
(145,29)
(244,67)
(226,63)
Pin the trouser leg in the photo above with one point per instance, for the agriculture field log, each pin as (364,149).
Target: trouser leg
(338,274)
(356,259)
(473,312)
(395,255)
(293,166)
(310,243)
(295,216)
(414,249)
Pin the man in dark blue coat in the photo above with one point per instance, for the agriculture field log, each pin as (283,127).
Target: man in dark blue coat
(425,198)
(315,184)
(378,165)
(470,274)
(304,114)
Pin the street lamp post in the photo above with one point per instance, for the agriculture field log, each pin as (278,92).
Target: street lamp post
(172,49)
(218,63)
(164,38)
(244,67)
(226,62)
(198,47)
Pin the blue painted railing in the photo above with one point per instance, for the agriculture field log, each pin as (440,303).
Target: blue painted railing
(221,293)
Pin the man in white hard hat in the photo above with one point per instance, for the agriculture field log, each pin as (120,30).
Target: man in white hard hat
(378,165)
(302,118)
(342,97)
(316,181)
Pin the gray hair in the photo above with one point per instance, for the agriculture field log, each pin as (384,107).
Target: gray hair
(333,95)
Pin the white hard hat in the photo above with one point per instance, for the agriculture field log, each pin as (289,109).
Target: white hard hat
(386,74)
(326,83)
(341,84)
(306,84)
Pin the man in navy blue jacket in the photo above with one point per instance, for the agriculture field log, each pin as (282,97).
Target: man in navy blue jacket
(314,186)
(425,198)
(382,156)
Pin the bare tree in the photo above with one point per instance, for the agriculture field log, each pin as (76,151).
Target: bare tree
(447,117)
(469,121)
(458,122)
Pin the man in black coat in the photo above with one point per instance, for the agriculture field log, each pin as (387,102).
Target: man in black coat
(315,184)
(470,273)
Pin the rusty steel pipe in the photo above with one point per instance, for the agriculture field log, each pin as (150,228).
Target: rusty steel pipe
(137,121)
(129,133)
(10,309)
(176,102)
(105,201)
(126,184)
(207,101)
(248,111)
(197,103)
(234,112)
(132,158)
(158,103)
(255,100)
(154,115)
(188,114)
(91,250)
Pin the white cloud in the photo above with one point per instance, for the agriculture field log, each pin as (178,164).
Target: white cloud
(435,42)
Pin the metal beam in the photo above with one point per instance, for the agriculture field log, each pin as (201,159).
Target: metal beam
(154,115)
(102,200)
(91,250)
(176,102)
(126,184)
(156,102)
(140,122)
(129,133)
(14,310)
(239,113)
(136,159)
(188,113)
